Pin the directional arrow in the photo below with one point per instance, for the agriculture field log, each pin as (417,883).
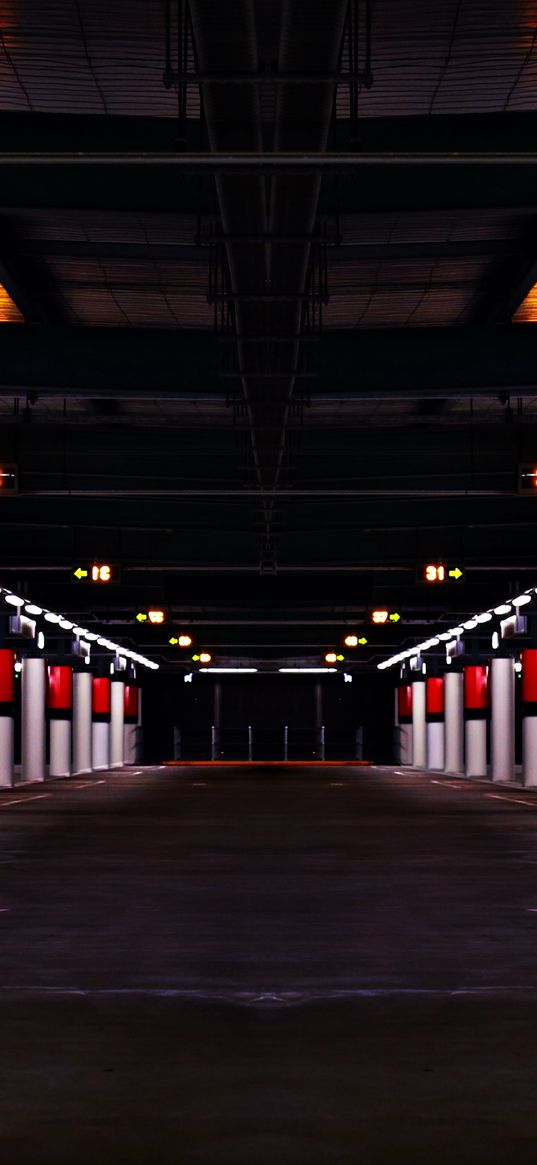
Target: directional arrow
(79,573)
(395,617)
(362,641)
(141,618)
(173,642)
(456,573)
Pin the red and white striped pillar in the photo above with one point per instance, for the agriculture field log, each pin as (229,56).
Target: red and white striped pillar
(419,726)
(404,717)
(33,718)
(453,717)
(476,707)
(7,715)
(100,727)
(60,715)
(117,713)
(434,715)
(529,716)
(502,718)
(130,722)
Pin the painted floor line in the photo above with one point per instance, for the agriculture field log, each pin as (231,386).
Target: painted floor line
(515,800)
(88,785)
(23,800)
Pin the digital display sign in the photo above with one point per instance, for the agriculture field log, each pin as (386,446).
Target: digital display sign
(440,572)
(99,573)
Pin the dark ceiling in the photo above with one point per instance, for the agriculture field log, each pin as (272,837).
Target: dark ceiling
(268,345)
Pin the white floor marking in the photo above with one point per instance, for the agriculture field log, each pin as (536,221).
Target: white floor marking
(515,800)
(88,785)
(23,800)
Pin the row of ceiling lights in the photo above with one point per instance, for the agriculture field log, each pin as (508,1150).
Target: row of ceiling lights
(34,611)
(508,608)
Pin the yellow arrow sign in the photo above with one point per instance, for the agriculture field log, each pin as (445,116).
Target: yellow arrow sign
(456,573)
(79,573)
(362,641)
(395,617)
(173,642)
(141,617)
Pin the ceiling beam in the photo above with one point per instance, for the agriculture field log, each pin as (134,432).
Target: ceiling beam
(60,132)
(340,253)
(169,181)
(129,362)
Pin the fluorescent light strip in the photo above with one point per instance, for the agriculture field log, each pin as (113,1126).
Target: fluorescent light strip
(485,617)
(66,625)
(307,670)
(229,670)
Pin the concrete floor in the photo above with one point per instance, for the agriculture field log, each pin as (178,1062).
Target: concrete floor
(292,966)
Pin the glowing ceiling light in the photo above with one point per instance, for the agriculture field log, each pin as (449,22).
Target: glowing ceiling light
(51,617)
(484,618)
(14,600)
(503,609)
(33,609)
(521,600)
(470,624)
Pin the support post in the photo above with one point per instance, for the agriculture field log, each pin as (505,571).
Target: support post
(529,716)
(434,715)
(7,716)
(502,696)
(454,721)
(286,742)
(217,720)
(250,742)
(33,739)
(100,726)
(476,702)
(117,705)
(60,715)
(82,699)
(213,741)
(419,728)
(130,722)
(404,716)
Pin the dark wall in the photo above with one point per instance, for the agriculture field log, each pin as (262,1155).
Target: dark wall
(268,702)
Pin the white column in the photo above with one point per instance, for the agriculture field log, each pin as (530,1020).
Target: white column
(502,730)
(116,723)
(435,745)
(529,716)
(59,748)
(33,728)
(82,685)
(476,748)
(454,722)
(101,744)
(139,736)
(7,710)
(419,733)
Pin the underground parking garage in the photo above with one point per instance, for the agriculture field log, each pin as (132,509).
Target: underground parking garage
(268,582)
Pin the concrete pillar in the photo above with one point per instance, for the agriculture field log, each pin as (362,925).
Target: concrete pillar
(454,721)
(139,735)
(82,696)
(130,722)
(7,714)
(419,728)
(60,715)
(529,716)
(100,725)
(502,729)
(117,704)
(404,716)
(33,728)
(476,703)
(434,715)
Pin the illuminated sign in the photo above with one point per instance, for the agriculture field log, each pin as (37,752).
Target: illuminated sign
(527,479)
(333,657)
(96,572)
(181,641)
(384,616)
(440,572)
(203,657)
(9,479)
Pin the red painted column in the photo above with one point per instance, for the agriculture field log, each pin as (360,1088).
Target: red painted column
(434,716)
(100,728)
(404,717)
(7,714)
(130,721)
(529,716)
(476,712)
(60,715)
